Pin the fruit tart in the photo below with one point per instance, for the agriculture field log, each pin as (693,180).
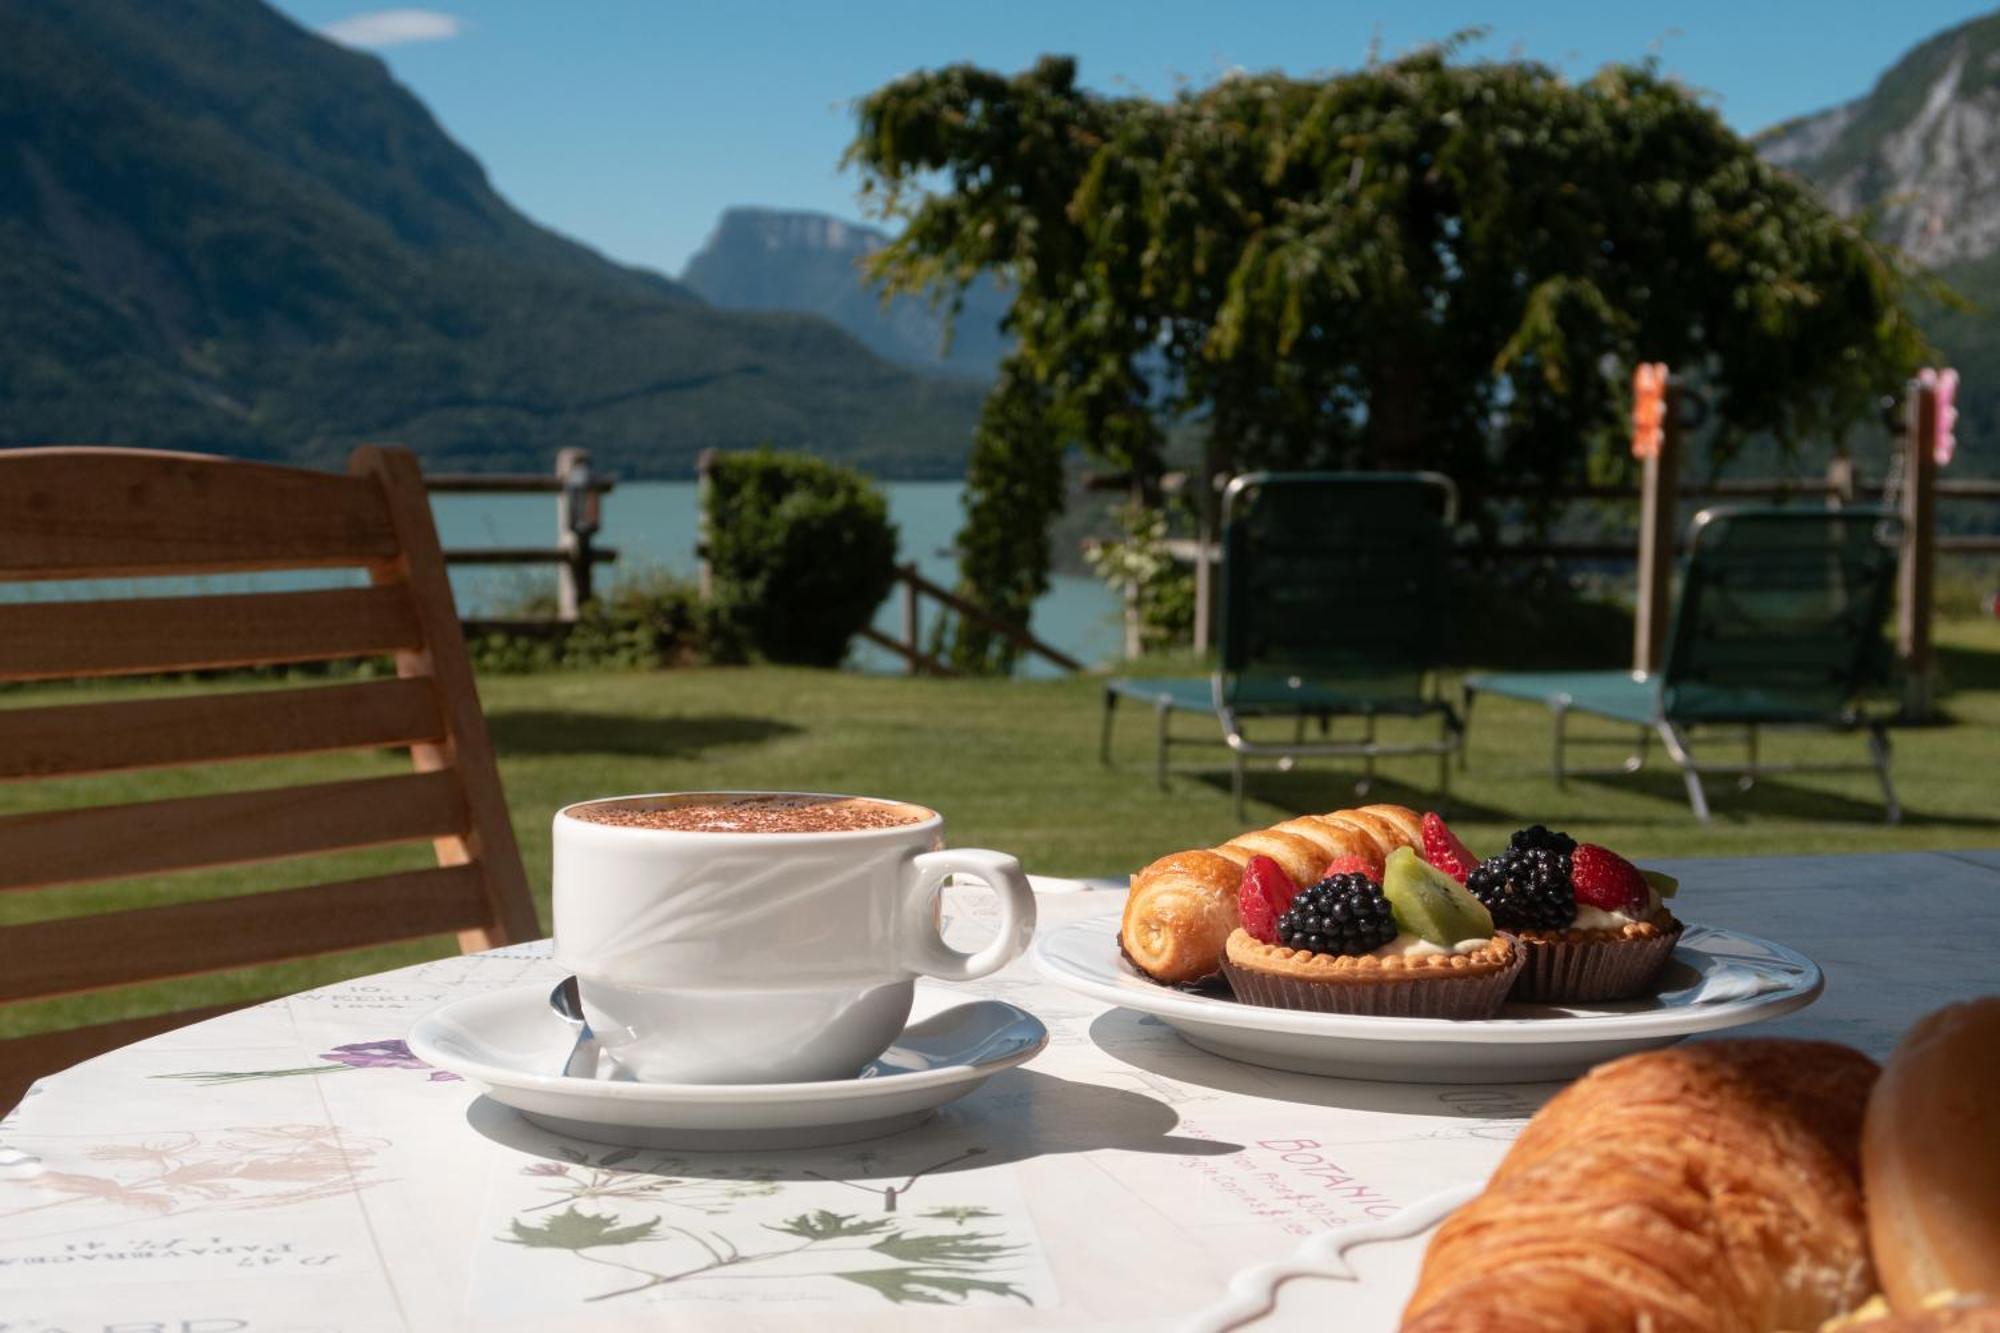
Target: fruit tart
(1591,924)
(1409,942)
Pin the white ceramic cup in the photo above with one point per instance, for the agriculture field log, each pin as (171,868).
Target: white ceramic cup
(736,957)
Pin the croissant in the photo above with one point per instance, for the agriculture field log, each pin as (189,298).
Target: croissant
(1182,907)
(1710,1187)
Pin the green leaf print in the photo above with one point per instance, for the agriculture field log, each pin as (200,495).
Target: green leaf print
(571,1229)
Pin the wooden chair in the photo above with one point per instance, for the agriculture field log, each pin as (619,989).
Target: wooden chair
(102,513)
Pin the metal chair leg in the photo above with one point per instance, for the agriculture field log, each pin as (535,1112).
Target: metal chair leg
(1466,695)
(1104,734)
(1746,781)
(1677,750)
(1637,759)
(1160,755)
(1560,713)
(1367,782)
(1878,750)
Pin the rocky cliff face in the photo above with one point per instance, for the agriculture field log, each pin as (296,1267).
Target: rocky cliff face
(773,259)
(1922,149)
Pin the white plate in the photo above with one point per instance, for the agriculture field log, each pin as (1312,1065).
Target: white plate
(511,1044)
(1716,979)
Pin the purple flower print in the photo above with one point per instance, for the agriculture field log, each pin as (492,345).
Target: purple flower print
(383,1055)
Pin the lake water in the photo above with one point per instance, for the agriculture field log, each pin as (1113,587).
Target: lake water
(652,526)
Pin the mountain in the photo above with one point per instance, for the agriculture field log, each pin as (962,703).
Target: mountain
(1921,151)
(221,232)
(771,259)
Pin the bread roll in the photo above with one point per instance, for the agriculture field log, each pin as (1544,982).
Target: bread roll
(1714,1186)
(1182,907)
(1930,1159)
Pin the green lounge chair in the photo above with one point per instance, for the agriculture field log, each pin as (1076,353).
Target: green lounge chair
(1330,589)
(1779,623)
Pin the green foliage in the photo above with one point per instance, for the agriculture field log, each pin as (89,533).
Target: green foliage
(1139,560)
(1420,264)
(572,1229)
(802,553)
(644,621)
(1013,490)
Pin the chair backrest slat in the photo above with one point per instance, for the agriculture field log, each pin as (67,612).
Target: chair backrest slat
(78,846)
(72,739)
(1334,579)
(75,954)
(80,514)
(1781,613)
(104,513)
(143,635)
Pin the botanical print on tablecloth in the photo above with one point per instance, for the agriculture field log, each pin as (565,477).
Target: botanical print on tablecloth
(382,1054)
(180,1175)
(903,1224)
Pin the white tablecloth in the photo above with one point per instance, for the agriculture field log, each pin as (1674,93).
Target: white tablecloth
(285,1169)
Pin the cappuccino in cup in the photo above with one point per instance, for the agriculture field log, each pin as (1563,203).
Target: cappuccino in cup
(762,937)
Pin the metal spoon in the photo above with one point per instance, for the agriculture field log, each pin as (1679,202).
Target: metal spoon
(567,1001)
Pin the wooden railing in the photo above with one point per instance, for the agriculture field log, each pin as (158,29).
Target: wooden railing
(914,586)
(579,494)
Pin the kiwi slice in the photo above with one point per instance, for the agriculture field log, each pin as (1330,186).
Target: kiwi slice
(1431,904)
(1661,882)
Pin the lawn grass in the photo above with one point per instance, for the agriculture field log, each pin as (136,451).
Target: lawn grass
(1013,765)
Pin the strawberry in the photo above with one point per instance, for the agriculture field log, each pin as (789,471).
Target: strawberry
(1353,865)
(1443,849)
(1263,897)
(1604,879)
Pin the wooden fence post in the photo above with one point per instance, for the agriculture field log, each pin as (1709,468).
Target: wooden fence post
(1840,482)
(1659,494)
(576,525)
(1919,552)
(704,488)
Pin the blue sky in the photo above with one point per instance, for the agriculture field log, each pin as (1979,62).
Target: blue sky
(631,124)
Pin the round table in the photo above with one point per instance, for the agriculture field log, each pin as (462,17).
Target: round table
(290,1167)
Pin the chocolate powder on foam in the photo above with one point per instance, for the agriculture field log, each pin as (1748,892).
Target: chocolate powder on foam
(775,814)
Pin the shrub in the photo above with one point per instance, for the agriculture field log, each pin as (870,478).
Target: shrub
(650,619)
(801,552)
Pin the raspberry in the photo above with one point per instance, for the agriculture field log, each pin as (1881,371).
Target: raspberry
(1353,865)
(1443,849)
(1604,879)
(1343,914)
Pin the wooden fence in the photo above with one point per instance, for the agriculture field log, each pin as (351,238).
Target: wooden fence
(579,493)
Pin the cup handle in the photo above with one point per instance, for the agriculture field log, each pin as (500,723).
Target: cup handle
(932,957)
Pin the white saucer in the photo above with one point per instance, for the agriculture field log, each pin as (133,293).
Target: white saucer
(510,1043)
(1716,979)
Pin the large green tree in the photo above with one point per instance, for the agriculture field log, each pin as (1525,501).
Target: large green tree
(1426,263)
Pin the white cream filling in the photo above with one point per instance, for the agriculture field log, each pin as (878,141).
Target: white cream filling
(1412,946)
(1596,918)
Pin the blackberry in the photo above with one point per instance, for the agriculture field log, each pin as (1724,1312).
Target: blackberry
(1340,914)
(1536,838)
(1526,888)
